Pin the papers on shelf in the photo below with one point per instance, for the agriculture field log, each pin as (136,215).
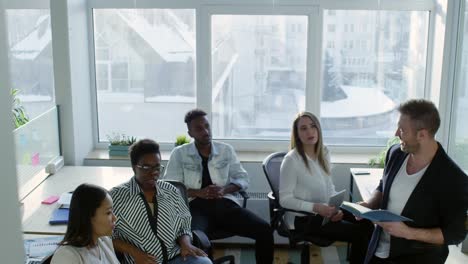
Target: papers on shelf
(65,199)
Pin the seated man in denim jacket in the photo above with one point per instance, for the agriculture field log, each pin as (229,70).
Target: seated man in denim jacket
(212,173)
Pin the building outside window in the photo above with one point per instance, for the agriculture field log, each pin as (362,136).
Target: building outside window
(255,98)
(145,71)
(31,64)
(261,71)
(359,99)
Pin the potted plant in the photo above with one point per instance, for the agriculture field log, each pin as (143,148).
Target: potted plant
(379,160)
(181,140)
(119,143)
(19,115)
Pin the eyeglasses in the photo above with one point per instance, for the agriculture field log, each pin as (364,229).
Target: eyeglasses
(147,169)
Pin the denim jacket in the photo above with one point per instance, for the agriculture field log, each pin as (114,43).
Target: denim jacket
(185,165)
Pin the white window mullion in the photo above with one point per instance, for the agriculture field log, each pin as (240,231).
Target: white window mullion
(450,63)
(453,99)
(428,85)
(144,4)
(204,82)
(26,4)
(93,79)
(314,62)
(414,5)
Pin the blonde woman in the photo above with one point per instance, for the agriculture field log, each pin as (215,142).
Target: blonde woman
(306,185)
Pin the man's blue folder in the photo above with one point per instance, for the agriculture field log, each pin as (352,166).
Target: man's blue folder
(59,216)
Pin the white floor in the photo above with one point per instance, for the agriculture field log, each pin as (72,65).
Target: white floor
(456,256)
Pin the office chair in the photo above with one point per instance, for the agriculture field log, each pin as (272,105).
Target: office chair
(199,237)
(271,167)
(48,259)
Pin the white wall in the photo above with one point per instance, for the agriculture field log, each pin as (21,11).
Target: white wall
(258,182)
(72,81)
(11,249)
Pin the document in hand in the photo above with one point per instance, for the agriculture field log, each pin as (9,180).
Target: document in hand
(335,201)
(373,215)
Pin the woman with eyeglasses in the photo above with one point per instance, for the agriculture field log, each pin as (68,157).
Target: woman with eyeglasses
(90,225)
(306,185)
(153,220)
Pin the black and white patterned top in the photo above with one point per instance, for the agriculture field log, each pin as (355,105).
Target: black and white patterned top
(133,224)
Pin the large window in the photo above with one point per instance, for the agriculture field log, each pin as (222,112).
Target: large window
(258,74)
(371,62)
(31,66)
(459,129)
(145,71)
(257,66)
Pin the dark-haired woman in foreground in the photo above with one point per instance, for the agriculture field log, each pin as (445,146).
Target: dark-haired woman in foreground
(90,225)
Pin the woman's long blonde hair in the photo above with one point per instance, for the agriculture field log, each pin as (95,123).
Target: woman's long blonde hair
(319,148)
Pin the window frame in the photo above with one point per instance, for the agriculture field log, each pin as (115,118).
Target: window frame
(314,10)
(454,79)
(43,5)
(313,53)
(26,4)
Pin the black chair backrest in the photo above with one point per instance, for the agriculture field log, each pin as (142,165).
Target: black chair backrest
(48,259)
(181,187)
(271,167)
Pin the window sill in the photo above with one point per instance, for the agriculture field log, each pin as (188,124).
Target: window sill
(102,156)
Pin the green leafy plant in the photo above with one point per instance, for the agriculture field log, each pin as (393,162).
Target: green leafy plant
(19,115)
(118,139)
(181,140)
(379,160)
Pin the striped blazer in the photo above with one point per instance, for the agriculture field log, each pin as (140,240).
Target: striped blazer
(133,224)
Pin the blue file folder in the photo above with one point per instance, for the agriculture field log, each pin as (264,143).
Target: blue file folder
(59,216)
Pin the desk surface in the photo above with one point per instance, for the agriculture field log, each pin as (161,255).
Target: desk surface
(36,216)
(366,183)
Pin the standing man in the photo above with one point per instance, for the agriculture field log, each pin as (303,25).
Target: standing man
(423,183)
(212,173)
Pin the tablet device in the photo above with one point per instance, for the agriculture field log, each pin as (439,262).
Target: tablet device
(335,200)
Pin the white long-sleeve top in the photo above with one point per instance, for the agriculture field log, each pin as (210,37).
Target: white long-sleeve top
(300,188)
(83,255)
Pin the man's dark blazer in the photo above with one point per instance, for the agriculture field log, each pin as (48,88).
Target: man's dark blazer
(440,199)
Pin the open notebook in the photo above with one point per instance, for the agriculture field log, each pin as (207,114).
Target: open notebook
(39,249)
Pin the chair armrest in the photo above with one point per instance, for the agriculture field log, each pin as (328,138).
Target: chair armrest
(200,240)
(245,196)
(279,208)
(277,212)
(297,211)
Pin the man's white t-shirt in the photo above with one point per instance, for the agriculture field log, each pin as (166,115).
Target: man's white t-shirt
(402,187)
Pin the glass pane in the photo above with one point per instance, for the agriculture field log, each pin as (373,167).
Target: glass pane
(145,68)
(258,69)
(372,61)
(31,65)
(459,130)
